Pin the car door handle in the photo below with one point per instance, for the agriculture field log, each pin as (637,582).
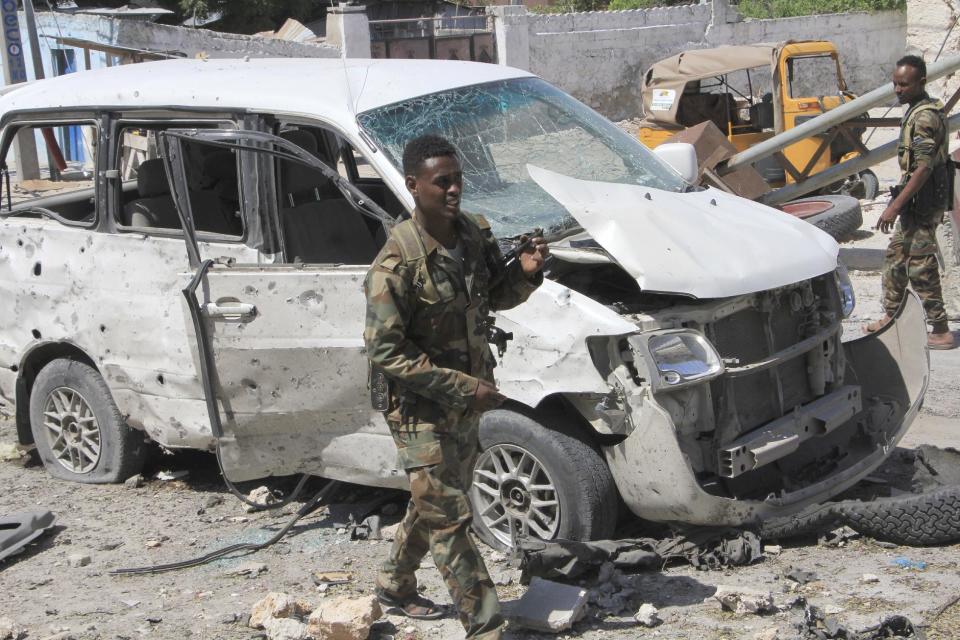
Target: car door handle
(230,310)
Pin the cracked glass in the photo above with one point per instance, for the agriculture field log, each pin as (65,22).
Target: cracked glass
(499,128)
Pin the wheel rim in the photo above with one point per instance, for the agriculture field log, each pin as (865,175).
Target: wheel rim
(72,430)
(512,491)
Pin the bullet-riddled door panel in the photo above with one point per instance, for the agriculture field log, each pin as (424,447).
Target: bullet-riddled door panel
(291,374)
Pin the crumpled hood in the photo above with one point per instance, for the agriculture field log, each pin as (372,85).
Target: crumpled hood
(706,244)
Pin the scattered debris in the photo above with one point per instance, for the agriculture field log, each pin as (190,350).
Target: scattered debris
(212,501)
(286,629)
(344,618)
(11,452)
(330,578)
(167,476)
(772,549)
(261,496)
(647,615)
(20,529)
(548,606)
(838,537)
(369,529)
(704,549)
(10,630)
(248,569)
(134,482)
(869,578)
(229,618)
(277,605)
(130,603)
(612,592)
(389,532)
(78,560)
(800,576)
(502,578)
(906,563)
(742,600)
(892,627)
(152,544)
(767,634)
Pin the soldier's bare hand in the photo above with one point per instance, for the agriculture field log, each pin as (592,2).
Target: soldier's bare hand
(533,255)
(887,219)
(487,397)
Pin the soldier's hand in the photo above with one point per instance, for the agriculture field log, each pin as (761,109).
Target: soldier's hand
(887,219)
(533,255)
(487,397)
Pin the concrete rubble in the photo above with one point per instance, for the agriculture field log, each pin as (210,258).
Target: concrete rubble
(285,629)
(277,605)
(10,630)
(248,569)
(134,482)
(344,618)
(284,617)
(78,560)
(261,496)
(743,600)
(548,606)
(647,615)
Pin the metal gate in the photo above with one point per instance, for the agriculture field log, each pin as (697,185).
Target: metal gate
(468,37)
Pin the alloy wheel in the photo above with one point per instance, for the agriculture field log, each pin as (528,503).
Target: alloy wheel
(72,430)
(512,492)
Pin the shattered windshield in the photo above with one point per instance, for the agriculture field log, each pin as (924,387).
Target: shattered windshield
(500,127)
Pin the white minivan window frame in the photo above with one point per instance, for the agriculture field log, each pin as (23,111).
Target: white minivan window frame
(36,205)
(161,124)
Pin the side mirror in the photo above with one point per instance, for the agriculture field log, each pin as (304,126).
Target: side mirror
(682,157)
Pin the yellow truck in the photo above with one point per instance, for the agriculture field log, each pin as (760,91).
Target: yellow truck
(753,92)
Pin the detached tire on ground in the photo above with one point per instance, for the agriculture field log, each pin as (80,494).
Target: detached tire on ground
(922,519)
(917,520)
(545,478)
(77,428)
(837,215)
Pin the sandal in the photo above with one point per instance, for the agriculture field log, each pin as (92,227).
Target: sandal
(416,607)
(876,325)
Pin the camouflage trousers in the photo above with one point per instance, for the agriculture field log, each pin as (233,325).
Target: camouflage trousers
(438,520)
(911,258)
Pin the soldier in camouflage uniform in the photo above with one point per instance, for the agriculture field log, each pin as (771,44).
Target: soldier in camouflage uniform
(914,213)
(430,292)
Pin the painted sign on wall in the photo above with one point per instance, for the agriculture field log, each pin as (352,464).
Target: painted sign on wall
(16,69)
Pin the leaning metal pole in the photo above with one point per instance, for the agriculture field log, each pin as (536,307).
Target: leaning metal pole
(841,171)
(879,96)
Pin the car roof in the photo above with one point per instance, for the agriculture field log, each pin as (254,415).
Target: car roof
(333,88)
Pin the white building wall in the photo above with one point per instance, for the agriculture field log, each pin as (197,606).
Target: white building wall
(600,57)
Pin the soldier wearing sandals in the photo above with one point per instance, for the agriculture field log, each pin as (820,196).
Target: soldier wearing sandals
(429,293)
(917,204)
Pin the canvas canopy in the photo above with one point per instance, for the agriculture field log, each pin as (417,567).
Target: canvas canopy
(664,82)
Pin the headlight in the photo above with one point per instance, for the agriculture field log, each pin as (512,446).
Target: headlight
(678,358)
(848,299)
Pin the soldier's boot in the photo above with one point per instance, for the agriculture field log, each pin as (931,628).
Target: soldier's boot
(941,338)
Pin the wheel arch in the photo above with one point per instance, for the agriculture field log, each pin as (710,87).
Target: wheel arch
(30,365)
(557,406)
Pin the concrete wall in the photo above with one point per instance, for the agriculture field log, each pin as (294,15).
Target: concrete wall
(600,57)
(140,34)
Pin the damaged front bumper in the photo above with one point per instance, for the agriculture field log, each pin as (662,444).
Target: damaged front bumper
(818,449)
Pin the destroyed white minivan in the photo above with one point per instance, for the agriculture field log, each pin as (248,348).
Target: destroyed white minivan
(194,278)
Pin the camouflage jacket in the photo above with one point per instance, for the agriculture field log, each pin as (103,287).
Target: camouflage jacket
(923,140)
(427,318)
(923,136)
